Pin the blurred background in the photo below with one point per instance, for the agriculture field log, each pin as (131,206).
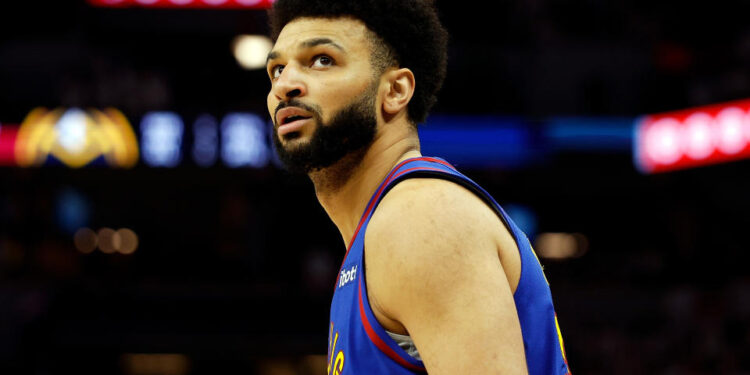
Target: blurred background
(147,228)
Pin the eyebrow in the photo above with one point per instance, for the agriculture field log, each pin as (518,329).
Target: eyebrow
(318,41)
(309,44)
(271,55)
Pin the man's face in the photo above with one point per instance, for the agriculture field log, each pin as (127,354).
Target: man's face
(323,92)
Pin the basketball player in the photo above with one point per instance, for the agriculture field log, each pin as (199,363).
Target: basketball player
(436,277)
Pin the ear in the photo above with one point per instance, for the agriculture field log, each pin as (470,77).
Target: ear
(399,85)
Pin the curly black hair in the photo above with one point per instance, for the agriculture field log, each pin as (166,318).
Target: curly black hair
(407,33)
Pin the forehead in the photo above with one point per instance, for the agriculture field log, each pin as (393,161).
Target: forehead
(349,33)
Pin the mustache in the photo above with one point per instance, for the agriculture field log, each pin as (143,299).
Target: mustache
(315,110)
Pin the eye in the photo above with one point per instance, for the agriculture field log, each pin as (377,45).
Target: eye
(322,61)
(276,71)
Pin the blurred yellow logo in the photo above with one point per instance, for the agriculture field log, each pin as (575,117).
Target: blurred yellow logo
(76,138)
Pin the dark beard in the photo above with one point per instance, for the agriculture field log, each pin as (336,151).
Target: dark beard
(350,131)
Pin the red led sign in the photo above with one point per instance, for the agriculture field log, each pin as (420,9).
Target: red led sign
(8,134)
(693,137)
(210,4)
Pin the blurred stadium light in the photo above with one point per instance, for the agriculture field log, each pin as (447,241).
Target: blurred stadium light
(161,141)
(561,246)
(73,209)
(109,241)
(76,138)
(600,134)
(85,240)
(205,140)
(211,4)
(155,363)
(475,141)
(251,51)
(243,141)
(8,135)
(127,241)
(523,216)
(693,137)
(106,240)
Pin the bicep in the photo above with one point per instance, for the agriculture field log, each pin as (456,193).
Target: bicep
(463,319)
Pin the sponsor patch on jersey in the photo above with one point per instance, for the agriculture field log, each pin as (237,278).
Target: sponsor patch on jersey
(347,275)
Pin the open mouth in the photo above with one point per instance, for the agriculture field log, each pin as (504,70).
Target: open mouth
(292,119)
(292,124)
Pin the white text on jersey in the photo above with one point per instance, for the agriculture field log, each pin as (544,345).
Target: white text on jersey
(347,276)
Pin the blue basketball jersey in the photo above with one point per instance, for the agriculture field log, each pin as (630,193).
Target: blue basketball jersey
(359,345)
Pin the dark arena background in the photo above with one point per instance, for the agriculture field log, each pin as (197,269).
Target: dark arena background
(146,227)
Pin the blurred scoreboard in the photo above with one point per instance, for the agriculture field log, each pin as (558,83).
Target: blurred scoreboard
(693,137)
(76,138)
(206,4)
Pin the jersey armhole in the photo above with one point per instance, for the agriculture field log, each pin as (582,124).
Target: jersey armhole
(375,331)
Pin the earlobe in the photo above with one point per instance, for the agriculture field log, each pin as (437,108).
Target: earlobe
(400,90)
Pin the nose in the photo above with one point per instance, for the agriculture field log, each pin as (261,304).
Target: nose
(289,84)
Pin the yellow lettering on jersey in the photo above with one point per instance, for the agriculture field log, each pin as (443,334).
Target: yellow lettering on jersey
(335,362)
(338,366)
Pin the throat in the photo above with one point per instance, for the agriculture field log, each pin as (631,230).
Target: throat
(337,189)
(331,180)
(344,188)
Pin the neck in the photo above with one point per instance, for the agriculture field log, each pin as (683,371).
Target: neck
(345,188)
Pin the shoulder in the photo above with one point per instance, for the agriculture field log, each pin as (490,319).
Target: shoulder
(427,229)
(421,209)
(434,270)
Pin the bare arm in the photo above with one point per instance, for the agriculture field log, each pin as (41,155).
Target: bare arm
(433,267)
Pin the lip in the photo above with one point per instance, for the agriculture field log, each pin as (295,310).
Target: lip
(285,113)
(293,126)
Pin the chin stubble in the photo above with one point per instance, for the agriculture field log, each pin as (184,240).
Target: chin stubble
(349,132)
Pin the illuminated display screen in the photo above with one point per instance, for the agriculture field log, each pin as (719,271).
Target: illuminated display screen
(161,139)
(477,142)
(244,141)
(8,144)
(693,137)
(75,138)
(221,4)
(205,140)
(661,142)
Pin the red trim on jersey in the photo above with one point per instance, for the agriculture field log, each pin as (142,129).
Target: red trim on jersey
(379,343)
(416,169)
(375,198)
(434,160)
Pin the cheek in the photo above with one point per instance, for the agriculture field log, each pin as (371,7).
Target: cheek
(271,102)
(340,93)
